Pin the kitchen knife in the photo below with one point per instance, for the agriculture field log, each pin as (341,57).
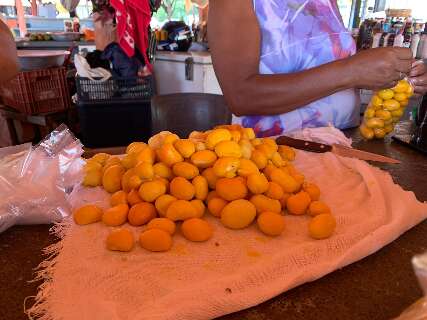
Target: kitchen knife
(335,148)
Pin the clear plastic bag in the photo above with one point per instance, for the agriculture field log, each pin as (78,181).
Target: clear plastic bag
(34,182)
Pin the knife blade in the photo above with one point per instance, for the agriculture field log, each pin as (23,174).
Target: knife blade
(335,148)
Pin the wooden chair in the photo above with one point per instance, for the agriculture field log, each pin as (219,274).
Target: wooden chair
(183,113)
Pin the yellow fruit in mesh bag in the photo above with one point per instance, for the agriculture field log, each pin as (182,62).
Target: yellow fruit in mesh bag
(185,147)
(226,167)
(133,197)
(287,182)
(199,206)
(163,171)
(383,114)
(101,158)
(263,204)
(146,155)
(379,133)
(182,189)
(130,160)
(376,102)
(385,94)
(112,178)
(134,182)
(248,133)
(312,189)
(111,161)
(196,230)
(136,147)
(151,190)
(180,210)
(141,213)
(274,191)
(210,176)
(87,214)
(410,91)
(93,178)
(259,158)
(287,153)
(235,135)
(231,188)
(216,136)
(185,170)
(374,123)
(322,226)
(216,205)
(400,97)
(318,207)
(203,159)
(116,216)
(228,149)
(257,183)
(271,223)
(163,202)
(388,128)
(395,120)
(120,240)
(201,187)
(369,113)
(119,197)
(401,87)
(366,132)
(391,105)
(397,113)
(144,170)
(169,155)
(404,103)
(246,148)
(298,204)
(163,224)
(246,168)
(238,214)
(155,240)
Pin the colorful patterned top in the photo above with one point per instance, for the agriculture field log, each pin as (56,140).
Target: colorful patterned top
(299,35)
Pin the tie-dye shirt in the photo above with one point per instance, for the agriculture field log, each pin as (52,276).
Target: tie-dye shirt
(298,35)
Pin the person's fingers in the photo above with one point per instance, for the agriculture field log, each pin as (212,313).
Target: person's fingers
(420,90)
(419,81)
(403,66)
(403,53)
(418,69)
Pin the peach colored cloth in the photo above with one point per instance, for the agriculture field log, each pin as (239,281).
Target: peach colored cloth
(235,269)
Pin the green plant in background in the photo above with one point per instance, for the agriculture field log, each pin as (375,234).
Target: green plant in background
(173,10)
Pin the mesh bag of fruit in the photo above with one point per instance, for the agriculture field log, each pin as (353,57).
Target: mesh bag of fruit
(385,109)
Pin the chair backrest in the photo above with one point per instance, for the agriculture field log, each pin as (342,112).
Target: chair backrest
(183,113)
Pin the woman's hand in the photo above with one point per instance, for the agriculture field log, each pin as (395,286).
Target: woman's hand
(418,77)
(380,68)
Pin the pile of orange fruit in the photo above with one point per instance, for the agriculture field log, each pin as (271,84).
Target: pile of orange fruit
(226,172)
(385,109)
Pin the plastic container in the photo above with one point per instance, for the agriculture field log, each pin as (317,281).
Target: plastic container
(115,89)
(37,91)
(114,123)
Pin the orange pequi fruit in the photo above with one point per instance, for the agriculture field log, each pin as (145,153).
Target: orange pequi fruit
(196,230)
(141,213)
(257,183)
(201,187)
(151,190)
(263,204)
(312,190)
(169,155)
(120,240)
(246,168)
(162,203)
(318,207)
(271,223)
(238,214)
(181,210)
(185,170)
(155,240)
(116,216)
(228,149)
(226,167)
(87,214)
(216,136)
(216,205)
(182,189)
(322,226)
(203,159)
(199,206)
(298,203)
(185,147)
(274,191)
(211,177)
(133,197)
(231,188)
(287,182)
(112,178)
(163,224)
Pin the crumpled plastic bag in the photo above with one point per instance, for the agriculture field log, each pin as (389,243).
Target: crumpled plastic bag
(34,182)
(418,311)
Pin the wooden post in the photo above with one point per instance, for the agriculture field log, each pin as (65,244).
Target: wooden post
(21,18)
(34,8)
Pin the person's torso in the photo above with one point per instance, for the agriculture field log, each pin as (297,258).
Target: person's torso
(297,35)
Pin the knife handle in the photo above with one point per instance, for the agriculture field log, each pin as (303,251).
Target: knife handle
(304,145)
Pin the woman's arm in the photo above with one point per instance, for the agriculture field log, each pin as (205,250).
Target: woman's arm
(234,38)
(9,65)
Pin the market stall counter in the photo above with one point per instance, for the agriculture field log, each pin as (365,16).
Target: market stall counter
(380,286)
